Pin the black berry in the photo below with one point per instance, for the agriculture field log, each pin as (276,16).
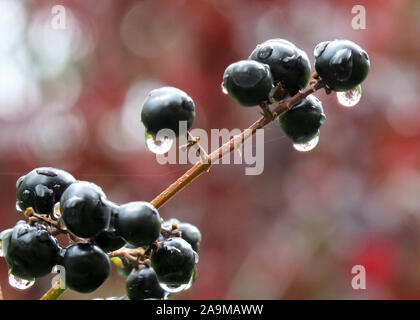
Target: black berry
(108,240)
(248,82)
(174,261)
(138,223)
(42,188)
(87,267)
(164,108)
(142,284)
(289,65)
(301,122)
(30,251)
(84,209)
(189,232)
(341,64)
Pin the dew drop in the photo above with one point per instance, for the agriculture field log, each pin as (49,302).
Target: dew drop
(57,210)
(307,146)
(190,283)
(172,288)
(224,88)
(351,97)
(158,146)
(19,283)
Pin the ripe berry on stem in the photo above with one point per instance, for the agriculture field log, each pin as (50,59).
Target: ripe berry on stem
(30,251)
(248,82)
(302,121)
(189,232)
(341,64)
(138,223)
(142,284)
(164,108)
(87,267)
(174,261)
(289,65)
(42,188)
(85,210)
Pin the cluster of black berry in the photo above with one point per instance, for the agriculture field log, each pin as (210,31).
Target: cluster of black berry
(277,69)
(158,257)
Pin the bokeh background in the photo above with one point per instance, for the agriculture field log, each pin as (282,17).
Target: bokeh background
(71,98)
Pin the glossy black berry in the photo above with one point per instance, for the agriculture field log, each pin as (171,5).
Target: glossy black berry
(85,210)
(108,240)
(341,64)
(30,251)
(138,223)
(301,122)
(189,232)
(174,261)
(164,108)
(288,64)
(87,267)
(142,284)
(248,82)
(42,188)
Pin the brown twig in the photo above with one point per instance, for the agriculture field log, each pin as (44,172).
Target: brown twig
(204,166)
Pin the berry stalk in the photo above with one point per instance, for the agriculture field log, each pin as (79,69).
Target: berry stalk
(205,164)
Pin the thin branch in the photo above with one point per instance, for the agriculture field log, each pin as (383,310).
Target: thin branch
(204,165)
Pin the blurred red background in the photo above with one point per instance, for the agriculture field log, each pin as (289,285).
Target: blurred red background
(71,98)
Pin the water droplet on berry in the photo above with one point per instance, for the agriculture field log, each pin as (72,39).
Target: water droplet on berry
(158,146)
(18,209)
(351,97)
(173,288)
(307,146)
(1,250)
(190,283)
(224,88)
(19,283)
(265,52)
(57,210)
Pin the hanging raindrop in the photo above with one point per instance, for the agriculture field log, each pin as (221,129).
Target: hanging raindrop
(19,283)
(158,146)
(307,146)
(351,97)
(190,283)
(173,288)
